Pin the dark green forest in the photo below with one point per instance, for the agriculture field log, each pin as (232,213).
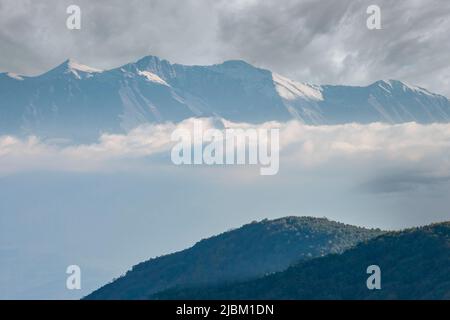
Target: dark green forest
(415,264)
(249,252)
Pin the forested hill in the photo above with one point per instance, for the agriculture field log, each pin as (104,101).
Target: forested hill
(415,264)
(248,252)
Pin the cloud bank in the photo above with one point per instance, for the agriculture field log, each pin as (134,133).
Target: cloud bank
(400,155)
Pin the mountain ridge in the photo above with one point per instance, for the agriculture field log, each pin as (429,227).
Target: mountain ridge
(421,273)
(79,102)
(247,252)
(150,60)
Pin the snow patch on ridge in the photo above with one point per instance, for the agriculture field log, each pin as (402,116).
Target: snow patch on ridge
(292,90)
(388,86)
(153,77)
(14,76)
(75,66)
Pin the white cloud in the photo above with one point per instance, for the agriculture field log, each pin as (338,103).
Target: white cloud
(424,148)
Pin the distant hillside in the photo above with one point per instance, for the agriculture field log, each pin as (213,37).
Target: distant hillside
(251,251)
(415,264)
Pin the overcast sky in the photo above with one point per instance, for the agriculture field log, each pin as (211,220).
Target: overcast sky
(315,41)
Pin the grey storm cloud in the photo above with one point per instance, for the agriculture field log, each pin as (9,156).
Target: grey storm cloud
(324,42)
(407,181)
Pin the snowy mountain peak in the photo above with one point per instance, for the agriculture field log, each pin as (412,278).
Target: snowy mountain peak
(73,96)
(236,64)
(400,86)
(75,66)
(152,63)
(72,68)
(392,84)
(150,59)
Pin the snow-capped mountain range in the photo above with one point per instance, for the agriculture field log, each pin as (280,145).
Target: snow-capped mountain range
(79,102)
